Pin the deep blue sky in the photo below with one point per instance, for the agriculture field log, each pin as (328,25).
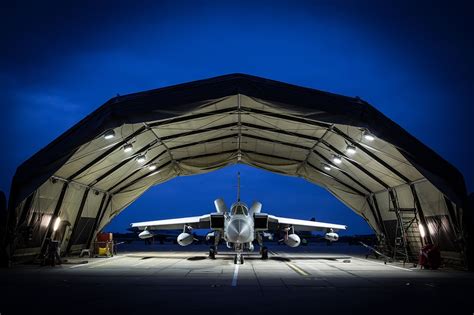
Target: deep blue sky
(411,61)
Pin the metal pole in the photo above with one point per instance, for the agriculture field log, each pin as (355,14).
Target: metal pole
(76,221)
(98,218)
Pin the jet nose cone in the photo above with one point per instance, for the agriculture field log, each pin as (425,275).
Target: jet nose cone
(239,231)
(242,235)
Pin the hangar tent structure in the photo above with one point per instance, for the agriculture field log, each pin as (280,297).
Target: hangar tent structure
(74,186)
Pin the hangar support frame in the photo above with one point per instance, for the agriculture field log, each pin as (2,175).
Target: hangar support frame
(204,125)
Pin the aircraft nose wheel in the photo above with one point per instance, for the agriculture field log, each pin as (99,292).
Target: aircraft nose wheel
(264,252)
(239,258)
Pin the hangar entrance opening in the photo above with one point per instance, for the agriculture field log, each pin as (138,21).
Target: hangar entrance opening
(280,195)
(408,194)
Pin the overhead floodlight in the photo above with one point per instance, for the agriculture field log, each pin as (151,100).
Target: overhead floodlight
(141,158)
(128,147)
(327,167)
(109,134)
(422,230)
(368,136)
(350,149)
(56,224)
(336,159)
(152,167)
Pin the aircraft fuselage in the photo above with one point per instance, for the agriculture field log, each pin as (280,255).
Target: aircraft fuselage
(239,225)
(239,230)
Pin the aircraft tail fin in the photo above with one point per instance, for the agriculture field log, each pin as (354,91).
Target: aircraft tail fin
(238,186)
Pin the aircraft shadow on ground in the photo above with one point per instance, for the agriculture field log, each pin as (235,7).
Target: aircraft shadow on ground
(197,258)
(276,258)
(229,256)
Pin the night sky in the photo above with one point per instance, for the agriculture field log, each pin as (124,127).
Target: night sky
(411,61)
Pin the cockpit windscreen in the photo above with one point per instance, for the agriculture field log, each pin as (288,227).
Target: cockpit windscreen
(239,209)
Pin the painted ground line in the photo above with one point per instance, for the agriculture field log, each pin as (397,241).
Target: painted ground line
(388,265)
(297,269)
(236,274)
(141,262)
(95,262)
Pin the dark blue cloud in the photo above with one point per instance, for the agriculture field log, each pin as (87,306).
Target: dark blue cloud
(412,62)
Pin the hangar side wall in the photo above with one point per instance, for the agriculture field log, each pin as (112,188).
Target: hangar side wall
(442,225)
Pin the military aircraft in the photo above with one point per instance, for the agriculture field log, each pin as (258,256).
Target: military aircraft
(239,227)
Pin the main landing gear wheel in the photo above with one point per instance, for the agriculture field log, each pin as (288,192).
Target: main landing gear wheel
(264,252)
(212,252)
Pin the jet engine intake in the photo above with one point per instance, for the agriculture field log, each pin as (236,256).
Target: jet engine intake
(331,236)
(292,240)
(184,239)
(217,221)
(260,221)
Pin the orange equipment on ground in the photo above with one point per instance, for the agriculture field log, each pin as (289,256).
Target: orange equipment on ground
(104,244)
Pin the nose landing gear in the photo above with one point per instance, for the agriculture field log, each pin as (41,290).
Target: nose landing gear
(239,258)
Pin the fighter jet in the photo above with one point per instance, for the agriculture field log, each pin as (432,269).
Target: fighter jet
(239,227)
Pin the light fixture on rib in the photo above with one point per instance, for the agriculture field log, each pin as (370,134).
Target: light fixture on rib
(141,158)
(109,134)
(350,149)
(336,159)
(368,136)
(128,147)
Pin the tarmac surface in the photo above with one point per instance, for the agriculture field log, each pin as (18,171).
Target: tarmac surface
(167,279)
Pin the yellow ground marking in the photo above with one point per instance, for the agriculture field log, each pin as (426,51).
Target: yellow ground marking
(297,269)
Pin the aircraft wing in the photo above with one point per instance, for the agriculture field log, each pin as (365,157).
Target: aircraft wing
(276,223)
(199,222)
